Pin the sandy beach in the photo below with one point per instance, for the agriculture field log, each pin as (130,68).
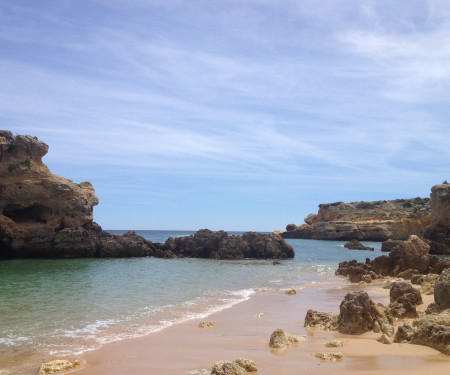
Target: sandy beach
(243,332)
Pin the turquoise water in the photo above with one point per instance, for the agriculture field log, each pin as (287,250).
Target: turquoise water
(73,305)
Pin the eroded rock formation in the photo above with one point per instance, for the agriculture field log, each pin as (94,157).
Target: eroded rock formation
(438,232)
(369,221)
(45,215)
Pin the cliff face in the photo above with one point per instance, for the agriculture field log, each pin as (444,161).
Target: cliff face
(369,221)
(438,232)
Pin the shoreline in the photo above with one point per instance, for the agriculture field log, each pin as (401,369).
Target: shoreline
(239,333)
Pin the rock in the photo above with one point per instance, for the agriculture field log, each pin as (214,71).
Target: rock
(410,254)
(291,227)
(384,339)
(376,327)
(424,279)
(356,271)
(58,366)
(369,221)
(438,231)
(327,321)
(227,368)
(281,339)
(276,263)
(246,364)
(435,336)
(310,219)
(357,314)
(441,317)
(442,290)
(441,265)
(389,245)
(404,307)
(291,292)
(399,289)
(433,308)
(334,344)
(427,289)
(329,356)
(356,245)
(408,274)
(219,245)
(304,231)
(206,325)
(404,333)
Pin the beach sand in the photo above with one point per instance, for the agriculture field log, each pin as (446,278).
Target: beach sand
(242,332)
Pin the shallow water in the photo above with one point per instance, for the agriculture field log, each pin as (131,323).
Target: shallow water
(73,305)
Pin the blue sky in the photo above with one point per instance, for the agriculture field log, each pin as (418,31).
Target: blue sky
(235,115)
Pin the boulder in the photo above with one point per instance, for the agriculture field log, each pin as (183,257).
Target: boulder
(442,290)
(227,368)
(404,333)
(441,317)
(206,324)
(357,314)
(310,219)
(281,339)
(410,254)
(291,292)
(356,245)
(435,336)
(327,321)
(399,289)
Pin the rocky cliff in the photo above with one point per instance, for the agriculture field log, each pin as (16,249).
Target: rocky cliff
(369,221)
(45,215)
(438,232)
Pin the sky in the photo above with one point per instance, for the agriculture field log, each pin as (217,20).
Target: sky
(234,115)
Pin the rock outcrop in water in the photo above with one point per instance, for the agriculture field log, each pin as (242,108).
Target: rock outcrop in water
(368,221)
(45,215)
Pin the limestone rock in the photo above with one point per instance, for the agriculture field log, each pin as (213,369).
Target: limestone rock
(404,333)
(441,317)
(329,356)
(408,274)
(227,368)
(291,292)
(410,254)
(442,290)
(388,245)
(327,321)
(384,339)
(334,344)
(246,364)
(358,314)
(435,336)
(219,245)
(58,366)
(370,221)
(438,231)
(281,339)
(424,279)
(441,265)
(356,245)
(399,289)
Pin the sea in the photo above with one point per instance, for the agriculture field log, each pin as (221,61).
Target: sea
(70,306)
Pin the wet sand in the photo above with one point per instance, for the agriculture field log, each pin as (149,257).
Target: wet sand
(240,333)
